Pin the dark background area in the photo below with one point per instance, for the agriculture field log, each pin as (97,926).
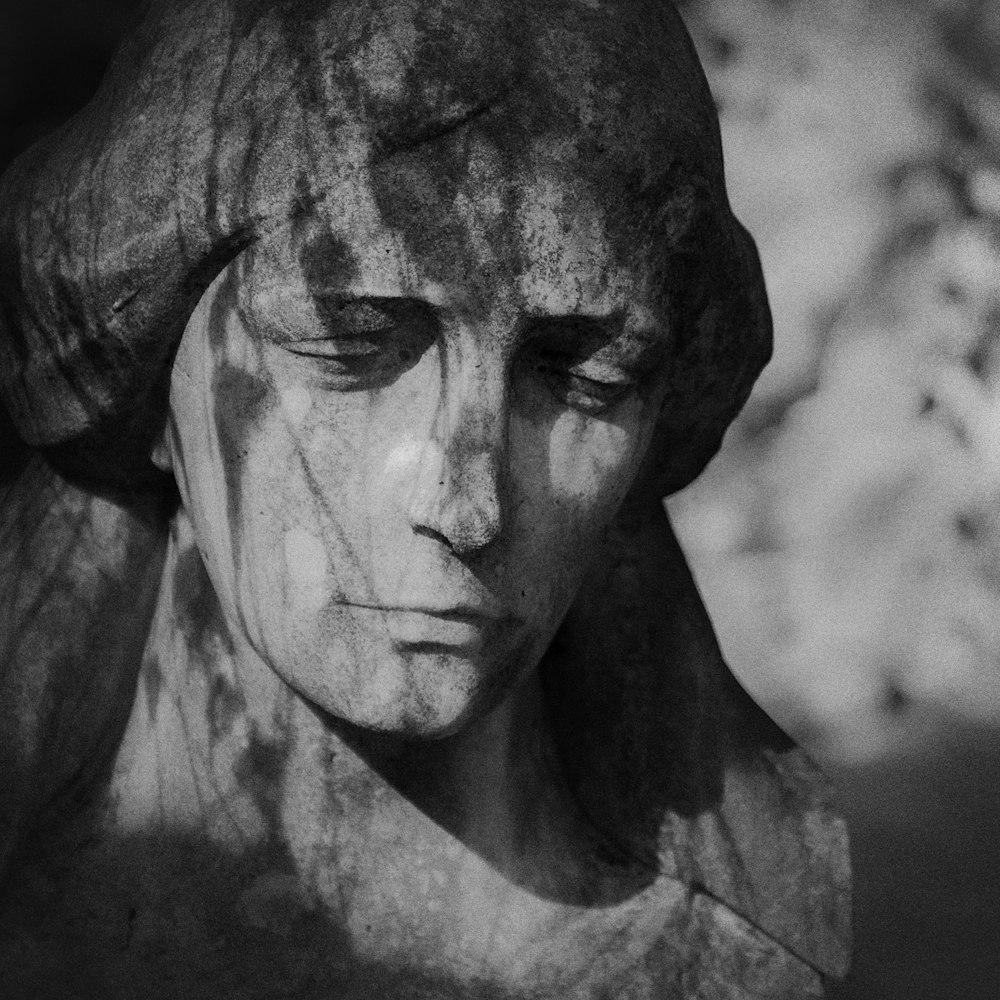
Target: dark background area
(52,56)
(861,154)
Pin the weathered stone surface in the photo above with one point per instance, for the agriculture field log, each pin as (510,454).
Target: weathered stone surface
(219,123)
(422,308)
(78,581)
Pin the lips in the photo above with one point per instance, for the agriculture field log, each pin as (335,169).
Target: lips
(430,628)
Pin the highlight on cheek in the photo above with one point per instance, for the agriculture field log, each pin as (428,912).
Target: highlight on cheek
(595,459)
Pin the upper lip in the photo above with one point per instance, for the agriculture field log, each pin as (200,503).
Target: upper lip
(452,612)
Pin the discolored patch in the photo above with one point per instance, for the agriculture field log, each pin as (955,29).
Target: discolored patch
(226,703)
(260,769)
(196,604)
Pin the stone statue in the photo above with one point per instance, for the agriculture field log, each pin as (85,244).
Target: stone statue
(348,350)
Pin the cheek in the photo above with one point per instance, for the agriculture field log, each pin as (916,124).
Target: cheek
(236,455)
(592,463)
(318,492)
(572,475)
(306,568)
(579,468)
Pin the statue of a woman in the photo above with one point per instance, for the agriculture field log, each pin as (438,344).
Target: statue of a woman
(349,349)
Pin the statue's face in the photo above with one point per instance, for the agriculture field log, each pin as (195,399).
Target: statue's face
(401,445)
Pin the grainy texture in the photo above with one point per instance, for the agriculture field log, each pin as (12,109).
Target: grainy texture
(423,308)
(202,140)
(78,579)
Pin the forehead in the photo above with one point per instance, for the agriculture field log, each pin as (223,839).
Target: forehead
(474,222)
(484,154)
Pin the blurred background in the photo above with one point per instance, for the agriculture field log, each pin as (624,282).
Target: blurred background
(847,538)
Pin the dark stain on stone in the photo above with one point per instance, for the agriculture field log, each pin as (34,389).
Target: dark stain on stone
(129,927)
(260,769)
(239,401)
(196,605)
(325,256)
(240,398)
(226,704)
(952,291)
(295,22)
(304,202)
(983,358)
(968,527)
(894,700)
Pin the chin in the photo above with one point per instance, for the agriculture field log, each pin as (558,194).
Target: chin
(426,695)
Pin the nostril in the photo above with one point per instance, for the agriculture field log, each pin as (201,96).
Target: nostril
(468,526)
(427,532)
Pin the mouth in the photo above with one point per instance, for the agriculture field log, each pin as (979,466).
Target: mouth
(419,628)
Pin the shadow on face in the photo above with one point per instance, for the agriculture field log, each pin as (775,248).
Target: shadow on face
(401,447)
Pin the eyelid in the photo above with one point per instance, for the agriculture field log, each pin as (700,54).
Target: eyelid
(602,341)
(363,343)
(603,373)
(355,346)
(344,316)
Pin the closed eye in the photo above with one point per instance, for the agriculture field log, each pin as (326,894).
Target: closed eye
(587,364)
(588,386)
(364,343)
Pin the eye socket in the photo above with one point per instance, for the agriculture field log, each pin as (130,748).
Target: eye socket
(583,364)
(365,343)
(585,385)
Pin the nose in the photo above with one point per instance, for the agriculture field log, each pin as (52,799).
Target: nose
(460,479)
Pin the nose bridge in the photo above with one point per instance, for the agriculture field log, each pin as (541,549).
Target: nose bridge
(471,419)
(463,498)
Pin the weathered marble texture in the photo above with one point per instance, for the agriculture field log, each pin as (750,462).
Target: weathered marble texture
(226,853)
(420,309)
(219,122)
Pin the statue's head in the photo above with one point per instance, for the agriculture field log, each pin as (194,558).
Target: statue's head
(409,299)
(423,306)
